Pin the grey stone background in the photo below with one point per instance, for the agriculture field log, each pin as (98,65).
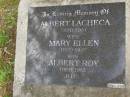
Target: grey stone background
(53,90)
(111,52)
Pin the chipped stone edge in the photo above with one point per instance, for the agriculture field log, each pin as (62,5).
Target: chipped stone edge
(20,58)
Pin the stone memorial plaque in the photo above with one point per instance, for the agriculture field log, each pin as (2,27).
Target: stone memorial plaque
(72,48)
(76,45)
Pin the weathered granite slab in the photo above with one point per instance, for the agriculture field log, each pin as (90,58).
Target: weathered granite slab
(22,90)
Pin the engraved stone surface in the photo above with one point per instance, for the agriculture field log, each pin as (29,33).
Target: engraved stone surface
(119,49)
(76,45)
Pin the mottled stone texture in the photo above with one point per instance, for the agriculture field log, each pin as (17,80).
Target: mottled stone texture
(20,90)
